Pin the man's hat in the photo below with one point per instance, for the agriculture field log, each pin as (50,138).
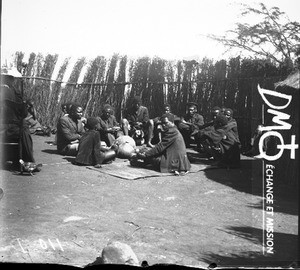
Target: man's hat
(10,72)
(192,104)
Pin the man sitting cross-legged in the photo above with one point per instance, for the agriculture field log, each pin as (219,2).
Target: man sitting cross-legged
(137,121)
(190,124)
(221,143)
(169,155)
(69,131)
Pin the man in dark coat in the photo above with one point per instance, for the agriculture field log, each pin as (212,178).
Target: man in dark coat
(69,131)
(136,119)
(90,151)
(169,155)
(190,124)
(232,124)
(221,143)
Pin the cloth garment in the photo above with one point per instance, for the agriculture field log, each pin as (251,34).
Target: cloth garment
(13,128)
(222,144)
(232,125)
(89,152)
(170,153)
(68,131)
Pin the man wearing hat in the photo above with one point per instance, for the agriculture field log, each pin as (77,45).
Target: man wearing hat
(136,119)
(190,124)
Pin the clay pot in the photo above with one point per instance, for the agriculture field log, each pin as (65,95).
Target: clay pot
(125,150)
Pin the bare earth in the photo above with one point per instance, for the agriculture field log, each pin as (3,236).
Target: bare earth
(66,214)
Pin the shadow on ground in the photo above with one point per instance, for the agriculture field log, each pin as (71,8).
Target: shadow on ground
(282,257)
(249,179)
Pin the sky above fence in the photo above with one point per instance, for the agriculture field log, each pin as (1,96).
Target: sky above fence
(170,29)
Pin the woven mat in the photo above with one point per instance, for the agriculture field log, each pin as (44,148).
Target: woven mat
(124,170)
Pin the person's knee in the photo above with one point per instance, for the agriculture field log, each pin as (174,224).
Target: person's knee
(151,123)
(71,149)
(124,122)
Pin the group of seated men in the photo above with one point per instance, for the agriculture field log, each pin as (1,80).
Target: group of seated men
(92,140)
(166,137)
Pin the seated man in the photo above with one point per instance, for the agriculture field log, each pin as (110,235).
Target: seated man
(137,120)
(207,126)
(69,131)
(170,154)
(157,123)
(90,151)
(109,129)
(232,124)
(190,124)
(221,143)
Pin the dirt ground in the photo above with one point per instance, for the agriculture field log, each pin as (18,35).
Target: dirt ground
(66,214)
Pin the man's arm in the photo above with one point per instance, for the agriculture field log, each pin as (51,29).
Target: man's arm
(167,140)
(145,115)
(199,121)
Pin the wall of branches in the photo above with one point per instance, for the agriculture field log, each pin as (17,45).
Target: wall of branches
(115,80)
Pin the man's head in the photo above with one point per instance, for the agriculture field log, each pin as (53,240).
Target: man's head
(192,108)
(76,112)
(136,102)
(92,123)
(107,111)
(167,121)
(215,111)
(223,109)
(66,107)
(228,113)
(220,121)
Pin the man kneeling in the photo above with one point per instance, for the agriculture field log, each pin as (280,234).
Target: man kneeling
(169,155)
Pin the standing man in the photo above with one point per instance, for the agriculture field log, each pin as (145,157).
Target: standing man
(137,119)
(69,131)
(110,129)
(169,155)
(190,124)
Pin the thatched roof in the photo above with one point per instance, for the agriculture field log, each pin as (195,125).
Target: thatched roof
(293,81)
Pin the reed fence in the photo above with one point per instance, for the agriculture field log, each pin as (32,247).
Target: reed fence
(115,80)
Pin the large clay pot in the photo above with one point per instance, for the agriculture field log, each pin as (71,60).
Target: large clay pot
(125,150)
(125,139)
